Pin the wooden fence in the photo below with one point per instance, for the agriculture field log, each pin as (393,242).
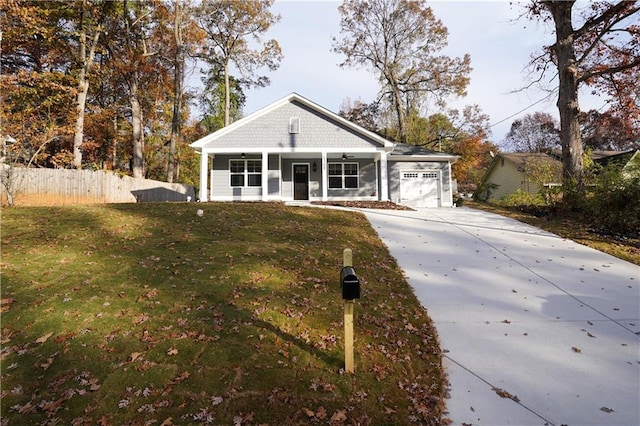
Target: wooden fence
(62,186)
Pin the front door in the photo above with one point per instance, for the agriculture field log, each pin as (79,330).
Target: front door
(300,181)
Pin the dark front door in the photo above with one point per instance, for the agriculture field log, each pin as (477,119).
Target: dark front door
(301,182)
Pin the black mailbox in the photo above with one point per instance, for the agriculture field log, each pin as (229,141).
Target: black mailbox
(350,283)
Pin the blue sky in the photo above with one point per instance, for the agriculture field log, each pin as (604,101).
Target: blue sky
(499,45)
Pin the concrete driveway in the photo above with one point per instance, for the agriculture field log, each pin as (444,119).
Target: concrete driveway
(537,330)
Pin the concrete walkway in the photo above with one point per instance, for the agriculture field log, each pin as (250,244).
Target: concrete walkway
(537,330)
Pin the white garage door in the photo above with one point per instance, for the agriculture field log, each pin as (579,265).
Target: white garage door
(420,188)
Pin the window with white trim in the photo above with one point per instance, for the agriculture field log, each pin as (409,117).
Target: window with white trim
(343,175)
(244,173)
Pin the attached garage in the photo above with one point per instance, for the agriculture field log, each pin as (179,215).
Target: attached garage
(420,189)
(420,178)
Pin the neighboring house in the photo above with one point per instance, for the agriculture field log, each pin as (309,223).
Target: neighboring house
(627,161)
(527,172)
(295,149)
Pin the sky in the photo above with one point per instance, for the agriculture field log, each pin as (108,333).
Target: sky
(500,47)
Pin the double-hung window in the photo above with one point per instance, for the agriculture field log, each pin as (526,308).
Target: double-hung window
(343,175)
(245,173)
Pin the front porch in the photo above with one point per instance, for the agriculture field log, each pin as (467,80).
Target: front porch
(294,174)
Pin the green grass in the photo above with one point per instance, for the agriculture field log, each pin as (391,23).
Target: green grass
(148,314)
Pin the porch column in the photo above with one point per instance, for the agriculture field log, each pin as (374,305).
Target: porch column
(325,178)
(265,176)
(204,176)
(384,184)
(450,180)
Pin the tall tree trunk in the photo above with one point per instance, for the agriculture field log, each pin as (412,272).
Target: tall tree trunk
(114,151)
(227,94)
(138,135)
(400,112)
(568,106)
(83,85)
(178,67)
(78,135)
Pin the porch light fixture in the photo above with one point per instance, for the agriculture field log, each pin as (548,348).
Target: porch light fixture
(315,167)
(344,157)
(243,155)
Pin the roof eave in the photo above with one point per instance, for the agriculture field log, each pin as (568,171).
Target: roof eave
(424,157)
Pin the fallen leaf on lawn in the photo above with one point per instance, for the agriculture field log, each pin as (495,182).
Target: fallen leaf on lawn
(167,422)
(172,351)
(5,304)
(339,417)
(321,414)
(576,349)
(51,407)
(44,338)
(63,338)
(410,327)
(328,387)
(181,377)
(141,319)
(45,365)
(388,410)
(134,356)
(606,410)
(422,409)
(27,408)
(309,413)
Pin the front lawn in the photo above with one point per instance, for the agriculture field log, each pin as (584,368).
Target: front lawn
(149,314)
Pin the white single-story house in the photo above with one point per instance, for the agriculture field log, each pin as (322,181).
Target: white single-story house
(295,149)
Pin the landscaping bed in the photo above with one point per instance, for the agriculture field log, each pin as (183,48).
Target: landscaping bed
(382,205)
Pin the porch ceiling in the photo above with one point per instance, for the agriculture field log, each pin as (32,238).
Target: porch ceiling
(330,156)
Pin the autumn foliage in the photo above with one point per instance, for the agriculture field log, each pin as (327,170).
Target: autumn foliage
(105,81)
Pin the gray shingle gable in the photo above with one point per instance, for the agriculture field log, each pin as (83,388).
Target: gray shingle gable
(269,128)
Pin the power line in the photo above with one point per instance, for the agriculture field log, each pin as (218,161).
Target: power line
(524,109)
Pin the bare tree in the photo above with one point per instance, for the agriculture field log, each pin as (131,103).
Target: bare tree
(537,132)
(400,41)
